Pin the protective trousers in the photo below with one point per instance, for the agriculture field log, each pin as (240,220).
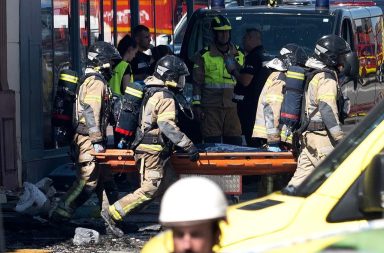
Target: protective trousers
(90,178)
(219,121)
(156,175)
(316,146)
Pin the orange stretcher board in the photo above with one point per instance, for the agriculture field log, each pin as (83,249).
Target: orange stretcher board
(210,163)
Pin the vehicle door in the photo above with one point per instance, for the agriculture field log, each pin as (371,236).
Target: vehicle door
(367,42)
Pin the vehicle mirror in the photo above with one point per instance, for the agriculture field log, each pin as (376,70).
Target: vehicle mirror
(355,84)
(372,192)
(351,66)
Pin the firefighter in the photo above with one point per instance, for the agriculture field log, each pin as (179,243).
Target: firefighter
(155,138)
(267,125)
(192,209)
(213,89)
(90,120)
(322,128)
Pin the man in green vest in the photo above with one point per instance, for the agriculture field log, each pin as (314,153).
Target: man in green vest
(214,85)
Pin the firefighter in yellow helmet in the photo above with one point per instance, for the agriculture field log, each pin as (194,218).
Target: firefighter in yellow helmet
(320,129)
(155,138)
(214,85)
(191,209)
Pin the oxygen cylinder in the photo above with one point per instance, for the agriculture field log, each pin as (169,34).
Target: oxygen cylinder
(128,117)
(63,106)
(293,96)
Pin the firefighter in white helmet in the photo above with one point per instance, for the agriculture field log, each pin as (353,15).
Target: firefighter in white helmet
(192,209)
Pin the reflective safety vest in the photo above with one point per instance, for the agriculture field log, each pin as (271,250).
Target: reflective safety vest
(117,78)
(216,75)
(217,86)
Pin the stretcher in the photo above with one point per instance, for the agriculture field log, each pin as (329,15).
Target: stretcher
(210,163)
(226,166)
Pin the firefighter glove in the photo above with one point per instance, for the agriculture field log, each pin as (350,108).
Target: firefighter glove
(193,153)
(99,148)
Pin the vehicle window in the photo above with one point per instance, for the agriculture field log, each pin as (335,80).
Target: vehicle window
(377,30)
(342,151)
(347,34)
(366,46)
(277,31)
(180,31)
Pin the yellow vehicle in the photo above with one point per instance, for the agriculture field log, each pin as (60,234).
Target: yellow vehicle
(345,191)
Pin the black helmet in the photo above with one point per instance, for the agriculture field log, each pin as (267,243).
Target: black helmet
(293,55)
(220,23)
(328,49)
(171,70)
(101,54)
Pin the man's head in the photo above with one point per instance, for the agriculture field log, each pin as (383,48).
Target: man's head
(251,39)
(192,208)
(101,56)
(221,30)
(172,71)
(127,48)
(142,36)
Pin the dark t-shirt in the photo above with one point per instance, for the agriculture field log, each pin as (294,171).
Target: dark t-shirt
(253,65)
(141,65)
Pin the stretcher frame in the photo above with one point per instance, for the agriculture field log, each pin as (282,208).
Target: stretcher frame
(209,163)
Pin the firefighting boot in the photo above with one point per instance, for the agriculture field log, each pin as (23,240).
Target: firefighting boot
(110,223)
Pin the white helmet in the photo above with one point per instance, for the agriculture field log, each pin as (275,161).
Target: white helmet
(192,200)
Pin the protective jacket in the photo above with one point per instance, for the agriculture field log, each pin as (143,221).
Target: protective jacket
(268,109)
(158,121)
(214,85)
(121,69)
(92,107)
(321,105)
(323,130)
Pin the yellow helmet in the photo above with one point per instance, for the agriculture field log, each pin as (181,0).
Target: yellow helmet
(221,23)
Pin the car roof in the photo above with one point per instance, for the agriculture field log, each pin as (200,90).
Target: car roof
(284,9)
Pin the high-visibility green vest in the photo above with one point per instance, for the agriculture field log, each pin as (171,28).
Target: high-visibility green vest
(216,75)
(117,77)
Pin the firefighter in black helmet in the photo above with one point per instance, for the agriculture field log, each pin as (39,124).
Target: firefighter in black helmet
(214,86)
(268,123)
(90,120)
(332,62)
(155,138)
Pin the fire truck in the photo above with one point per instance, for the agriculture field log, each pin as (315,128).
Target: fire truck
(160,16)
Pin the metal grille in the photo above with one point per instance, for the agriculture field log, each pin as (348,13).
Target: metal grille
(230,184)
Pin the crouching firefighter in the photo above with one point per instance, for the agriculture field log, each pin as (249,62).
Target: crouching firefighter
(90,120)
(320,127)
(155,137)
(271,121)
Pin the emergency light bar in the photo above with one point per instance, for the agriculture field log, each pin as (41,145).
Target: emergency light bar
(353,3)
(324,4)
